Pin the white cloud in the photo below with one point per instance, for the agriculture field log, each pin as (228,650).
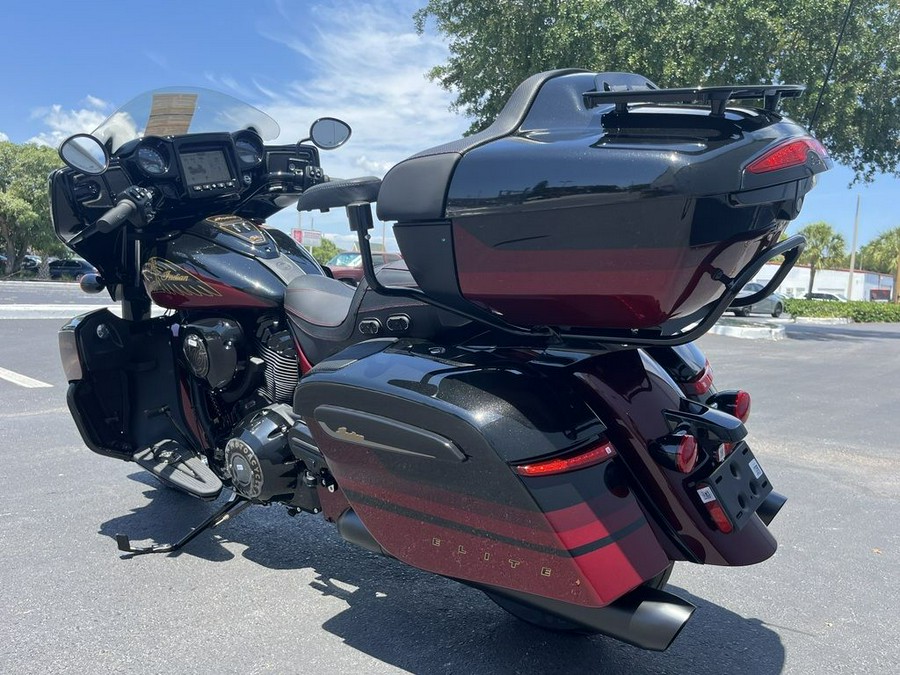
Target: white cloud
(63,123)
(3,137)
(369,67)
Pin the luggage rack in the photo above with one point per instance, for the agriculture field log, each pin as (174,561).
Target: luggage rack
(717,97)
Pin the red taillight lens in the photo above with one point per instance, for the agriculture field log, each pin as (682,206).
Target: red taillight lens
(735,402)
(742,406)
(686,456)
(677,451)
(786,155)
(578,460)
(701,382)
(715,510)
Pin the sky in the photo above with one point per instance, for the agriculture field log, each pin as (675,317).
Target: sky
(68,65)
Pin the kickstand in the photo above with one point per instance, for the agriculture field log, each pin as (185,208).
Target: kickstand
(231,508)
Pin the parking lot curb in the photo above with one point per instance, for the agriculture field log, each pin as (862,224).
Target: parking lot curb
(754,332)
(824,321)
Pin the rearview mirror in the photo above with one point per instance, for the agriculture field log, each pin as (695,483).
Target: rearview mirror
(84,153)
(329,133)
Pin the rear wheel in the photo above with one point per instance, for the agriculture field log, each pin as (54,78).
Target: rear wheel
(538,617)
(779,309)
(743,311)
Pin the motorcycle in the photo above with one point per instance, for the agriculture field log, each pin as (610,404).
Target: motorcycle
(518,404)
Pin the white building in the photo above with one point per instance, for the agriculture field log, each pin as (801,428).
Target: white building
(796,284)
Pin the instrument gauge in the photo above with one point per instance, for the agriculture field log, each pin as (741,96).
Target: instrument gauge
(151,160)
(248,152)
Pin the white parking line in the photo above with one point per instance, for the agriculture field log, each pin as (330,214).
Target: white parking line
(21,380)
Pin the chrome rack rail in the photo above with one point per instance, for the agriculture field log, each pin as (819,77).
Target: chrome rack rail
(717,96)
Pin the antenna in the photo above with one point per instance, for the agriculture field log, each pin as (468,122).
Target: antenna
(815,114)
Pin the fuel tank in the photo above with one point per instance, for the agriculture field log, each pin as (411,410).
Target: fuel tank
(221,261)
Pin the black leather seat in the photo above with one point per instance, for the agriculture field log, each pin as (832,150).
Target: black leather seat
(327,315)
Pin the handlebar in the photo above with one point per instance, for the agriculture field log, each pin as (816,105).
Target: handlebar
(117,215)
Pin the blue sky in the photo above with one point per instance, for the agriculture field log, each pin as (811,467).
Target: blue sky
(67,65)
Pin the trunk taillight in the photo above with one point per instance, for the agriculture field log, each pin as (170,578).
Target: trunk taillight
(786,155)
(571,462)
(701,382)
(714,508)
(677,451)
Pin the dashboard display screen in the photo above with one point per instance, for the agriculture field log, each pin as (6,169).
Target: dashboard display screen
(205,167)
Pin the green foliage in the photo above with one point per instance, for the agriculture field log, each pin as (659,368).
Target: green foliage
(857,310)
(326,251)
(882,254)
(24,205)
(824,248)
(496,45)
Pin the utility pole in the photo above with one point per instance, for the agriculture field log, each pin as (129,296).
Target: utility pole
(853,250)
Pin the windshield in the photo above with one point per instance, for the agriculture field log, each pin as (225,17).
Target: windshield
(175,111)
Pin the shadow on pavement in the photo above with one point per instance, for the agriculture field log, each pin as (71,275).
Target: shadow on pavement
(425,623)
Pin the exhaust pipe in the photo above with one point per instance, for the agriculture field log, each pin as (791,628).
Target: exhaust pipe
(352,529)
(770,507)
(647,618)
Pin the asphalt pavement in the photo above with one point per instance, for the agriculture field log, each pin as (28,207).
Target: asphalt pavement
(267,593)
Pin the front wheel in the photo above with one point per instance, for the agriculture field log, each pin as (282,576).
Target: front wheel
(538,617)
(778,311)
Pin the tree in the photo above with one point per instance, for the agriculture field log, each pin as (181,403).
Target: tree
(824,247)
(325,251)
(494,46)
(24,206)
(883,255)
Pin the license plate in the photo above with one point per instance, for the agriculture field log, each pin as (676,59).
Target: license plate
(740,485)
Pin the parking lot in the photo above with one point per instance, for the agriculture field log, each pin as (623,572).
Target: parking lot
(266,593)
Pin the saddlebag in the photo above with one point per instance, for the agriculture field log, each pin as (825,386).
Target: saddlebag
(425,446)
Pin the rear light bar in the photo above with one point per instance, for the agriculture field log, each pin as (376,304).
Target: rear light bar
(715,510)
(786,155)
(677,451)
(572,462)
(701,382)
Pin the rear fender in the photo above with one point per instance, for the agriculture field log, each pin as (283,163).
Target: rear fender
(645,405)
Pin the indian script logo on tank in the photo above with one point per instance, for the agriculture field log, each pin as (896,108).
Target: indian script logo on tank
(163,276)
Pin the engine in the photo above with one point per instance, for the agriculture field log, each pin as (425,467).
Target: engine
(217,352)
(258,459)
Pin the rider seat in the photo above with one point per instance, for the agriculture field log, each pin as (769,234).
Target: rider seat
(327,315)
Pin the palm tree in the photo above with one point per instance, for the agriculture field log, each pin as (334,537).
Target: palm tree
(824,247)
(884,254)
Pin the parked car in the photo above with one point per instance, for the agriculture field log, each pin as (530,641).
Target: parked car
(31,262)
(347,266)
(73,268)
(772,304)
(834,297)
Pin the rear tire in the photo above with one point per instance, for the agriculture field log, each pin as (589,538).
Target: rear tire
(778,311)
(547,621)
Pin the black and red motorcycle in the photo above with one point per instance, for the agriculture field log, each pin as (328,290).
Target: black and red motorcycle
(517,404)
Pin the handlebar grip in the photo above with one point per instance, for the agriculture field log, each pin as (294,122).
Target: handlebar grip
(117,215)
